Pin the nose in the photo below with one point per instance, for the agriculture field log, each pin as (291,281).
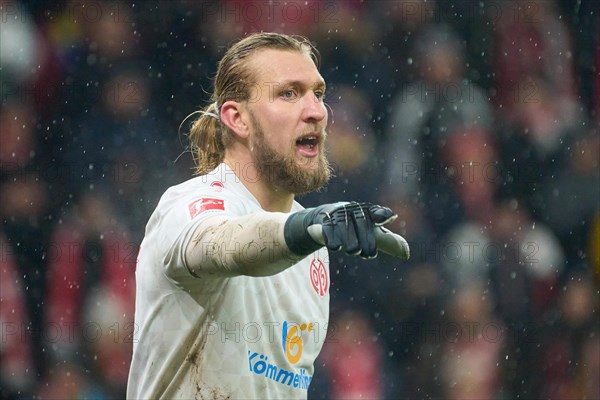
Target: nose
(314,108)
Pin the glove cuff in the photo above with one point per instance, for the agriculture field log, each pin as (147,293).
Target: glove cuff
(297,238)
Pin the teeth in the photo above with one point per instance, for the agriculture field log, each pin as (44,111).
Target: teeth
(309,140)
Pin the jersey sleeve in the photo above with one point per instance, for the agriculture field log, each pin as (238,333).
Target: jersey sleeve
(252,245)
(171,225)
(218,236)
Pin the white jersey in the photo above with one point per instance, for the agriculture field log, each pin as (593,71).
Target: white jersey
(221,337)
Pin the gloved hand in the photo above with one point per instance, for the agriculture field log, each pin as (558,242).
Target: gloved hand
(353,227)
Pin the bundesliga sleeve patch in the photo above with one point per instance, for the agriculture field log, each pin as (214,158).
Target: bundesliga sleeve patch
(205,204)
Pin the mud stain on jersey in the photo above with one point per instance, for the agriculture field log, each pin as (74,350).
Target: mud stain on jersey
(195,358)
(195,355)
(212,394)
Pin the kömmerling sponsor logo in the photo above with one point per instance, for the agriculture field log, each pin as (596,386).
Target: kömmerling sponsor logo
(259,365)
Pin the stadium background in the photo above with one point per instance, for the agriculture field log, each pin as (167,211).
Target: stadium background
(476,121)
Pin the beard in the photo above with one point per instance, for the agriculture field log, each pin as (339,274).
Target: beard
(282,171)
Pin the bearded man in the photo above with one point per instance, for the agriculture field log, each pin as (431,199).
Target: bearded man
(232,280)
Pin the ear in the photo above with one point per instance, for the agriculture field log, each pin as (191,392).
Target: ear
(232,115)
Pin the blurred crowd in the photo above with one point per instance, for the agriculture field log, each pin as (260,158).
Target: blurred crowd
(476,121)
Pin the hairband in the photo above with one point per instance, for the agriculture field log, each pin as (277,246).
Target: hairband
(214,115)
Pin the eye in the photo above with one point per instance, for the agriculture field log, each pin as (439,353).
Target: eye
(289,94)
(320,94)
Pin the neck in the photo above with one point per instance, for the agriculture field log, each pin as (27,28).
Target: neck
(270,197)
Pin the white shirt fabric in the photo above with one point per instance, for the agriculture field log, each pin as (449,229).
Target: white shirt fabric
(210,336)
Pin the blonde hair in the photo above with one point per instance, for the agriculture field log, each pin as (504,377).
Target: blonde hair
(208,136)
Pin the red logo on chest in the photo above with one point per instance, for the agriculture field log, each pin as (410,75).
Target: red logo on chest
(319,277)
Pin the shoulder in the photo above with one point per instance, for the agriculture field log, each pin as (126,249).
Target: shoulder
(198,195)
(216,192)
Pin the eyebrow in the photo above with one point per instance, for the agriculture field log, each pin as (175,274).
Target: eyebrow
(320,84)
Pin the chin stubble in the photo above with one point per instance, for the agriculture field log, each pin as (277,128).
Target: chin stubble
(282,171)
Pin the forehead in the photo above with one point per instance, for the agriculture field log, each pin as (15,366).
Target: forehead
(278,66)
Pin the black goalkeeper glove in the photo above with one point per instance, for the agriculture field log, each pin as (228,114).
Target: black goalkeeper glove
(353,227)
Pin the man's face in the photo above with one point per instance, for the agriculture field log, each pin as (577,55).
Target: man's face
(288,120)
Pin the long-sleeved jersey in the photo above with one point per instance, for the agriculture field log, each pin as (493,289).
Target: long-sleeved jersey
(208,330)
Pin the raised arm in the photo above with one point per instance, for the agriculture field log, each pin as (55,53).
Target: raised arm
(266,243)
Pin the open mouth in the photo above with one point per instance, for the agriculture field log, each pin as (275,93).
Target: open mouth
(308,145)
(308,141)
